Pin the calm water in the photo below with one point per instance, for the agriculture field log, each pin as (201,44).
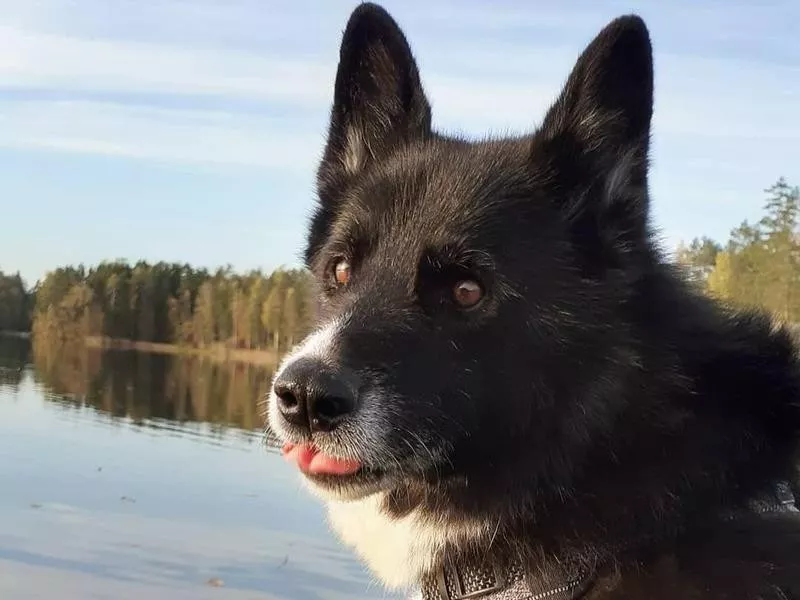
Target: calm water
(127,475)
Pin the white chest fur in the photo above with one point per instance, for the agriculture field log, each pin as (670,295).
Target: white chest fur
(397,550)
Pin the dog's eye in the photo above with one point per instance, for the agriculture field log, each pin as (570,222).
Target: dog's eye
(341,272)
(467,293)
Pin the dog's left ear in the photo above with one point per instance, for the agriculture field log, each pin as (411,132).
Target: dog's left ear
(598,130)
(378,97)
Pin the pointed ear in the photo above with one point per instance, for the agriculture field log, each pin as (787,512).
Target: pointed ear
(378,97)
(596,135)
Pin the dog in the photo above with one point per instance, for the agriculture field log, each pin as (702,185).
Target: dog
(510,391)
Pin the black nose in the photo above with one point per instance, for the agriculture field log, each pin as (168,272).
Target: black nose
(313,396)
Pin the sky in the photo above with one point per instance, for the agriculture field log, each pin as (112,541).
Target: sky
(190,130)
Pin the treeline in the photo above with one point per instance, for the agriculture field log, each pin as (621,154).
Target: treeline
(759,264)
(173,304)
(15,303)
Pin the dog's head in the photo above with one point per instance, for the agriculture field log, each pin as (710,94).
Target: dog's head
(471,293)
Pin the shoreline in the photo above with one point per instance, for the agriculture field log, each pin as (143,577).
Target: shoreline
(15,334)
(217,353)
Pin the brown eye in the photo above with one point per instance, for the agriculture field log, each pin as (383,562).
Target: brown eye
(341,272)
(467,293)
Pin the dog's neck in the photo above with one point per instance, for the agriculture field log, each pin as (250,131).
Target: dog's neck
(408,553)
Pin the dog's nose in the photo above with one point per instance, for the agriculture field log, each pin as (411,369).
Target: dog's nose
(313,396)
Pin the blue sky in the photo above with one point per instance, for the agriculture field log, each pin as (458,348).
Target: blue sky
(189,130)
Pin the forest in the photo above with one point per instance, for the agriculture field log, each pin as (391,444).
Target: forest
(163,303)
(168,303)
(759,264)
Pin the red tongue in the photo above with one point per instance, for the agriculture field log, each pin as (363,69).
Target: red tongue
(309,460)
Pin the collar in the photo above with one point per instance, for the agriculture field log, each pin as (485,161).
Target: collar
(489,582)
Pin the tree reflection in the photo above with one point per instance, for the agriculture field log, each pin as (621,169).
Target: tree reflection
(148,389)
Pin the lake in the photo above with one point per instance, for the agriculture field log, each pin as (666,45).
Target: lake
(129,475)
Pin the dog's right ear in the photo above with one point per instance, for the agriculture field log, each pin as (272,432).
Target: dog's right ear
(378,97)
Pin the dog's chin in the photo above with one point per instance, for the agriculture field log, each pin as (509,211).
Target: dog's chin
(349,488)
(371,479)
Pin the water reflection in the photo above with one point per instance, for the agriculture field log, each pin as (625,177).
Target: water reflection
(150,388)
(130,475)
(14,355)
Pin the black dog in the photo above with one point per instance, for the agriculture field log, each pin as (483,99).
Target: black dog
(510,390)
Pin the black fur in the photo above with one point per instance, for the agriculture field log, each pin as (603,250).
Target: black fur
(593,400)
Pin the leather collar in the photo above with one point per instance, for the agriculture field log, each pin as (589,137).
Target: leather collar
(490,582)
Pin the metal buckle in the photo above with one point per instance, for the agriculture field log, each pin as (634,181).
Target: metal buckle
(499,584)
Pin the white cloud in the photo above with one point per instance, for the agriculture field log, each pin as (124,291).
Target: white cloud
(38,60)
(497,87)
(160,134)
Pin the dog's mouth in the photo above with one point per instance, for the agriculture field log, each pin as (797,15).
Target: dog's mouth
(340,478)
(311,461)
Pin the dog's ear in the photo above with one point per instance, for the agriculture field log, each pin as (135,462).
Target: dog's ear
(596,135)
(378,97)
